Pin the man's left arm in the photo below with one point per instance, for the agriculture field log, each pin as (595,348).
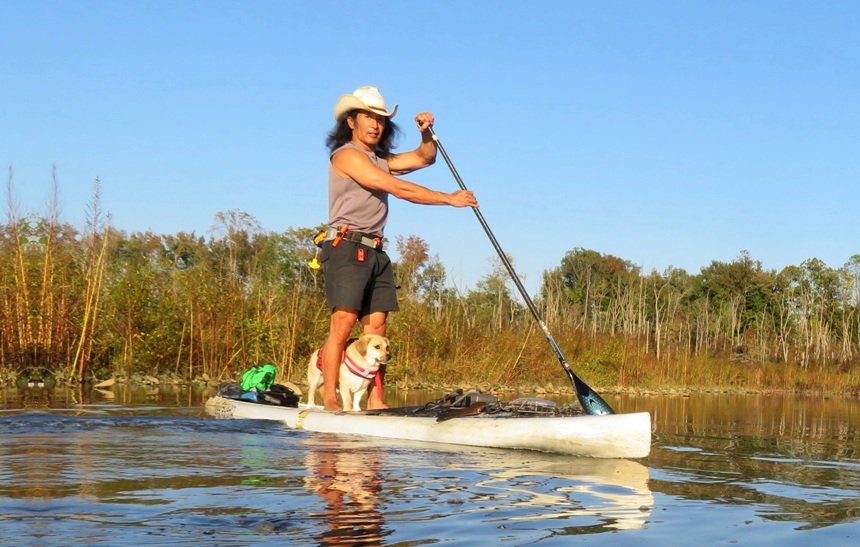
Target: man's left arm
(421,157)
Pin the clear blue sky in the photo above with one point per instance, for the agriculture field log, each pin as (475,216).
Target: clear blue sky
(664,133)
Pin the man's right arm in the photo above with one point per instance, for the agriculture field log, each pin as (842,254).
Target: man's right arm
(357,166)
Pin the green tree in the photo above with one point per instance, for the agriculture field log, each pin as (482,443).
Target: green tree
(591,281)
(741,293)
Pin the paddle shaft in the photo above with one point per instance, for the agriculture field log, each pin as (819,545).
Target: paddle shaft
(591,402)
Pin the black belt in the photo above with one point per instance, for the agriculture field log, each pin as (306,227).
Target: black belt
(368,240)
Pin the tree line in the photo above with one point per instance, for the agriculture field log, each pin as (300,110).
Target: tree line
(83,304)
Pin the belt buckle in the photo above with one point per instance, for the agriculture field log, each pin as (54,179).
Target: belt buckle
(372,242)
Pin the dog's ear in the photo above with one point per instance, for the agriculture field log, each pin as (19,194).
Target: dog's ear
(361,345)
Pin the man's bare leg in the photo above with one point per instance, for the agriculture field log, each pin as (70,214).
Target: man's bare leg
(342,321)
(375,324)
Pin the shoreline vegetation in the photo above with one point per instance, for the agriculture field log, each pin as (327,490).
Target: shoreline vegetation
(552,389)
(82,306)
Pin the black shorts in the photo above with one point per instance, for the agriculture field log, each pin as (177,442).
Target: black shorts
(358,277)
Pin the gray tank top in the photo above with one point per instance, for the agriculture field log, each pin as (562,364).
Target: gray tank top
(353,205)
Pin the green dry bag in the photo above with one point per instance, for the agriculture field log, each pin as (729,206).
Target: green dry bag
(260,377)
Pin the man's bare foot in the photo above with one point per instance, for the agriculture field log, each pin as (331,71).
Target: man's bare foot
(332,405)
(376,404)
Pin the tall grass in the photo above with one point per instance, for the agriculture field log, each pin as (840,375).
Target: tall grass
(76,306)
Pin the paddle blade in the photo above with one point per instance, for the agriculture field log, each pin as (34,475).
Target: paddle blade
(591,402)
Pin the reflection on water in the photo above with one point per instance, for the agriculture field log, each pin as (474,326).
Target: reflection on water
(794,459)
(349,482)
(151,466)
(368,497)
(68,398)
(615,490)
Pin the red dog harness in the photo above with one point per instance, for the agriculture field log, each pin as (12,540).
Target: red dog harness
(355,368)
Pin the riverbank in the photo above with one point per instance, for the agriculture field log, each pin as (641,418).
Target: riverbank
(538,389)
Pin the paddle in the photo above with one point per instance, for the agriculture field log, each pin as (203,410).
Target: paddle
(591,402)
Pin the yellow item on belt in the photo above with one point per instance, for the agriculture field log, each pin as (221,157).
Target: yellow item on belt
(319,238)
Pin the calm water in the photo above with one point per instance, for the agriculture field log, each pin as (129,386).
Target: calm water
(153,468)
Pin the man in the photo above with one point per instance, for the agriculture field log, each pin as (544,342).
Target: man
(359,282)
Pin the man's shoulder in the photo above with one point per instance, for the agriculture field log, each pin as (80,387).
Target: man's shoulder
(348,152)
(352,152)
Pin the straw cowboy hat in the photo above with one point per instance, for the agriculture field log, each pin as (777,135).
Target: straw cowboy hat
(364,98)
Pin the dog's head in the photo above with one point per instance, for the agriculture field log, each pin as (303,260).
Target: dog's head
(374,349)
